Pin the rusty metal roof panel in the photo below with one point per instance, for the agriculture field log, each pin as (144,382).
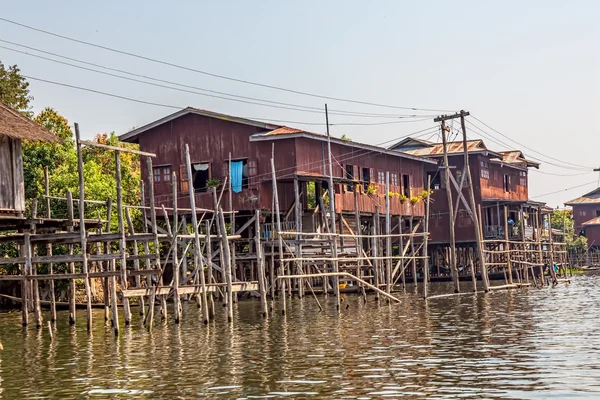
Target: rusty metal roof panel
(592,197)
(437,149)
(594,221)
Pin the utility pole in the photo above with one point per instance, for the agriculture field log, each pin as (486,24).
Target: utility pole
(471,207)
(446,167)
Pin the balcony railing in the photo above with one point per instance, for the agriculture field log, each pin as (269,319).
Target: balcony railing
(269,231)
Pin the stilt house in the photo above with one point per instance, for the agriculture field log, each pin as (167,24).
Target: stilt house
(14,128)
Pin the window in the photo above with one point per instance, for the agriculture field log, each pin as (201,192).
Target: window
(406,185)
(523,178)
(166,171)
(366,175)
(394,179)
(350,176)
(156,173)
(582,213)
(485,174)
(435,180)
(252,168)
(597,213)
(381,177)
(200,176)
(507,183)
(484,164)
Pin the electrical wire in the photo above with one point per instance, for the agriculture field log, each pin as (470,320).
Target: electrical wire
(217,94)
(253,118)
(528,148)
(170,64)
(564,190)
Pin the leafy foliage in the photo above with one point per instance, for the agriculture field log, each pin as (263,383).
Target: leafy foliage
(563,220)
(14,89)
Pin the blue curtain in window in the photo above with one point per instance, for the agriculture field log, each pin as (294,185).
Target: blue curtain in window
(237,168)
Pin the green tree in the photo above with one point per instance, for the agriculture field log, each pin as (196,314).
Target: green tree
(563,220)
(14,89)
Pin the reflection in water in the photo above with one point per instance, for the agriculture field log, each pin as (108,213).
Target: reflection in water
(518,344)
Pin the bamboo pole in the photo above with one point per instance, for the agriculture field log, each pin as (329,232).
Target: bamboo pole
(298,216)
(375,250)
(344,274)
(49,246)
(262,283)
(226,267)
(211,300)
(136,261)
(71,267)
(336,279)
(280,238)
(25,251)
(174,246)
(198,259)
(413,261)
(388,231)
(122,242)
(484,274)
(507,244)
(82,228)
(425,239)
(35,285)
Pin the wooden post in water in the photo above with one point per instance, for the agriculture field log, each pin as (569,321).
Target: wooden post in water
(82,234)
(425,240)
(375,250)
(227,266)
(262,282)
(551,244)
(412,250)
(209,256)
(174,246)
(71,268)
(278,216)
(299,212)
(336,278)
(388,238)
(136,262)
(25,252)
(35,286)
(157,262)
(49,247)
(198,252)
(122,240)
(507,244)
(358,241)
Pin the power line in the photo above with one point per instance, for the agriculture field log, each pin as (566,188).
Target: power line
(179,107)
(157,61)
(215,93)
(529,148)
(564,190)
(501,143)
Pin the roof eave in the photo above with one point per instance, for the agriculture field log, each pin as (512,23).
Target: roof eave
(265,137)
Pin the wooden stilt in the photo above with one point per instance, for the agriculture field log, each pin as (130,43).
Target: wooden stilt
(82,229)
(388,239)
(298,214)
(425,240)
(174,247)
(25,252)
(280,239)
(198,258)
(375,250)
(412,251)
(71,268)
(262,282)
(49,247)
(122,241)
(211,300)
(227,266)
(507,244)
(136,261)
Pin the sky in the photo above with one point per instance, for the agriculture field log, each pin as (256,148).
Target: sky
(528,70)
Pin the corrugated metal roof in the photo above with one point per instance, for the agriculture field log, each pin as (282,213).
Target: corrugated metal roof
(437,149)
(592,197)
(287,132)
(284,130)
(131,136)
(517,157)
(594,221)
(16,125)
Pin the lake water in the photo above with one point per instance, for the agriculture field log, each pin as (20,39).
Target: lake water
(516,344)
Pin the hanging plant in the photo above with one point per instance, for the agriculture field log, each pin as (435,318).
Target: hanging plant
(415,199)
(371,190)
(402,197)
(213,183)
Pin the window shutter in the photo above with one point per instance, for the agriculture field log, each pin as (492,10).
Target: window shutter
(372,176)
(410,184)
(183,179)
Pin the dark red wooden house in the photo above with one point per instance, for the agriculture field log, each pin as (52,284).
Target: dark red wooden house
(586,216)
(358,169)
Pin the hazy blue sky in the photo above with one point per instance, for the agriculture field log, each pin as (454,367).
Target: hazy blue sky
(528,69)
